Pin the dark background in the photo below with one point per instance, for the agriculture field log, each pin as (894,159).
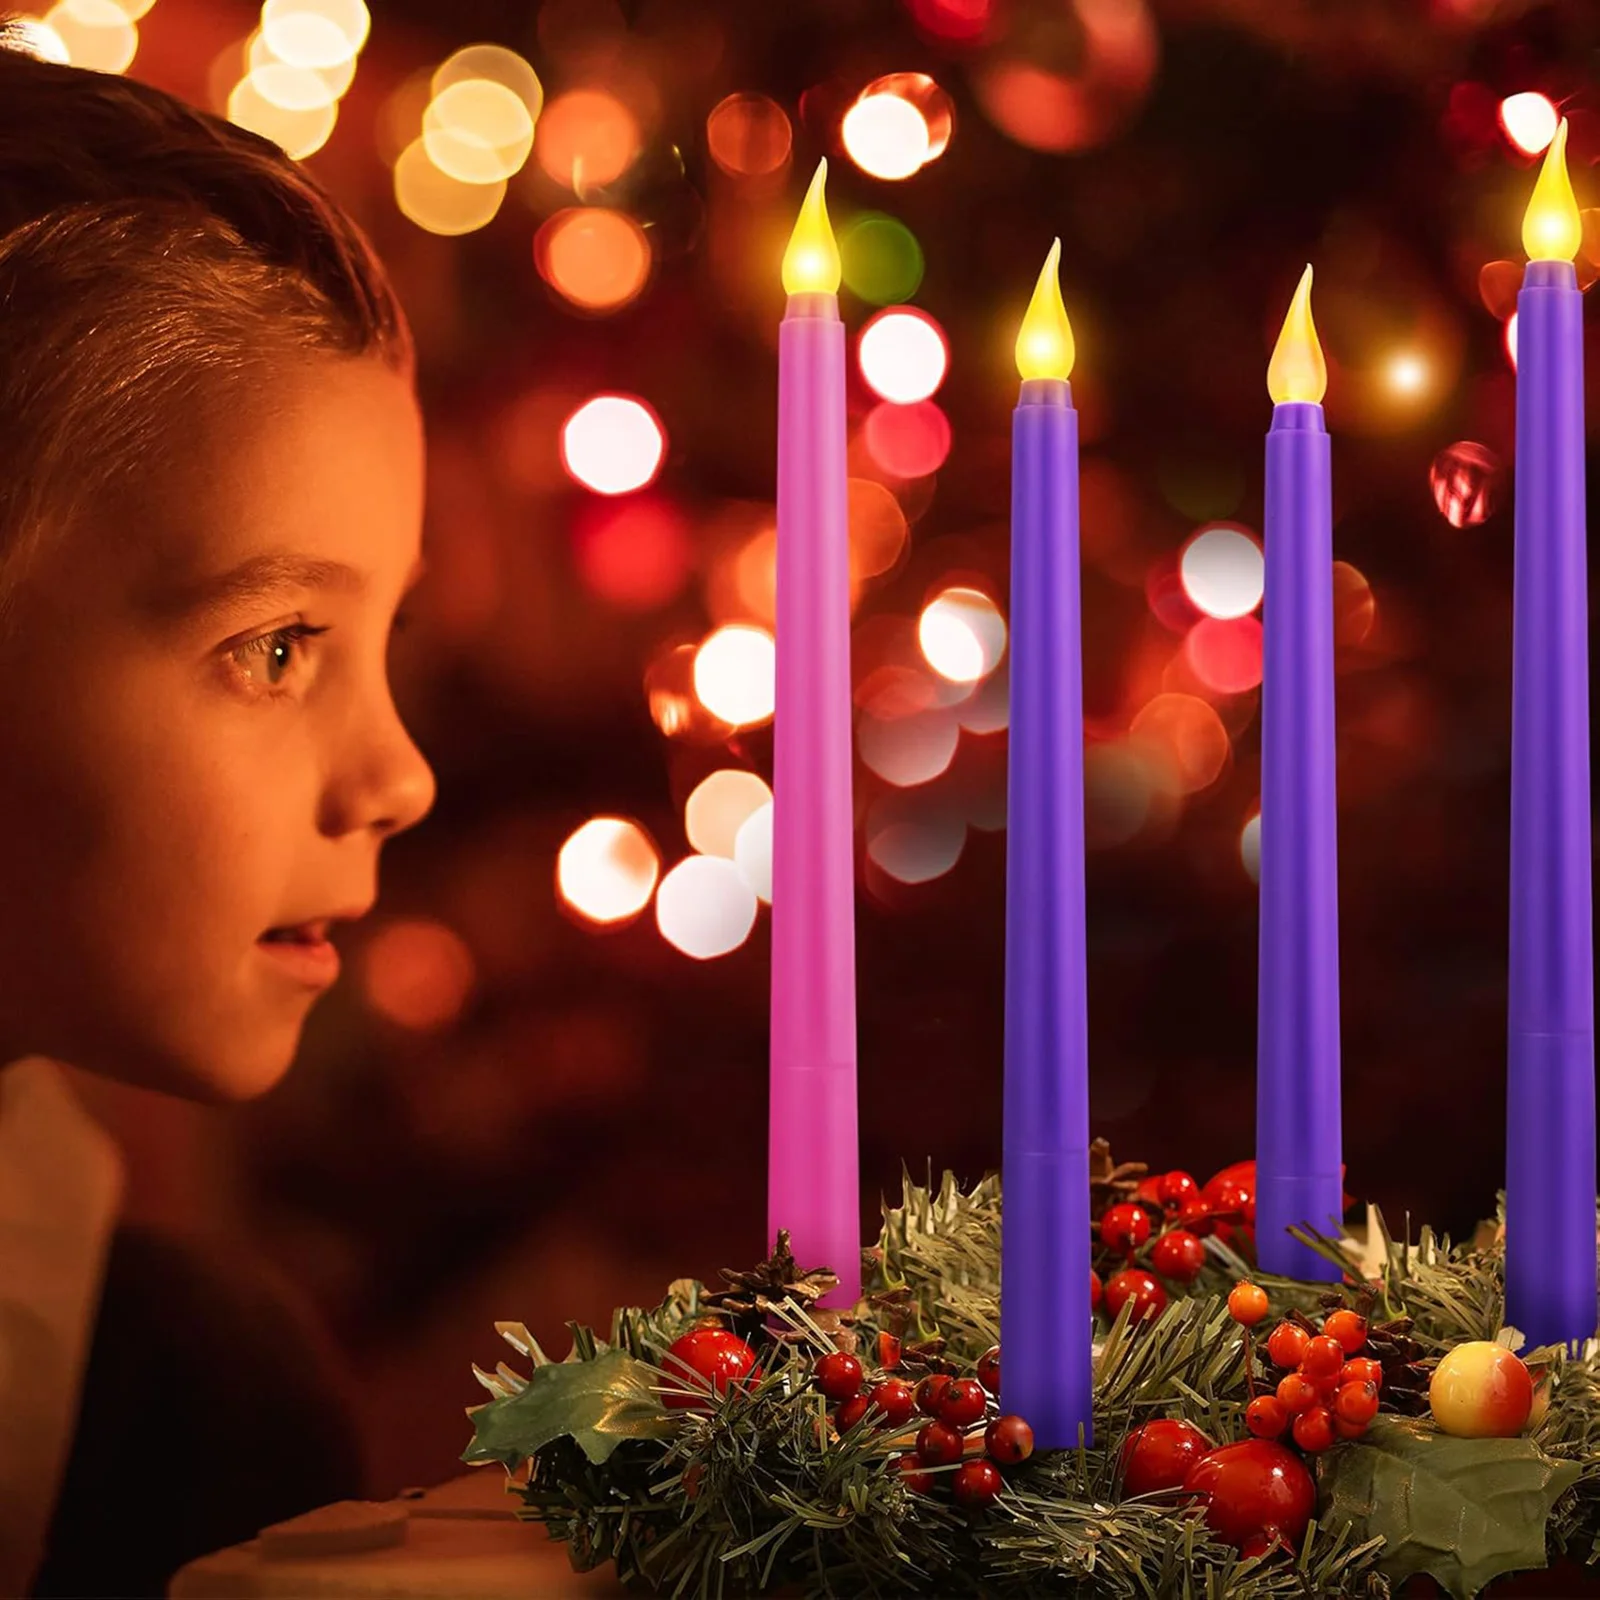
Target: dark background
(584,1116)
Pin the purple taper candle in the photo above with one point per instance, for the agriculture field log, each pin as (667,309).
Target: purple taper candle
(813,1173)
(1550,1130)
(1046,1373)
(1298,1122)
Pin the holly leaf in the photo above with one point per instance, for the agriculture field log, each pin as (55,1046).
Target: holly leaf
(596,1403)
(1463,1510)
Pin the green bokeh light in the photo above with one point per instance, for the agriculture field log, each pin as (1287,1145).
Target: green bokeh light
(881,259)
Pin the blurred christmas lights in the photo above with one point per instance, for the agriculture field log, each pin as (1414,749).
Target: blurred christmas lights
(1250,847)
(705,908)
(1222,571)
(1225,655)
(418,973)
(910,750)
(886,136)
(720,806)
(597,259)
(749,135)
(587,139)
(439,203)
(1529,121)
(606,871)
(903,355)
(881,259)
(613,444)
(752,851)
(1464,478)
(907,441)
(734,675)
(962,634)
(96,34)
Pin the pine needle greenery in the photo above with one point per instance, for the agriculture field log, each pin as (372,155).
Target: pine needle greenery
(755,1491)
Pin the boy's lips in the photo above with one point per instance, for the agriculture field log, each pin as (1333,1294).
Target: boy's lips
(303,948)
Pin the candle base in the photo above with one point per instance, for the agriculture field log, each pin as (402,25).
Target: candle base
(1281,1203)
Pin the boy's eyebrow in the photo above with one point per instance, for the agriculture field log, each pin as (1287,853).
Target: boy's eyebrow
(270,573)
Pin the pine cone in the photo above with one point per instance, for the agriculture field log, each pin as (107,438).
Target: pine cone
(750,1296)
(917,1360)
(1111,1183)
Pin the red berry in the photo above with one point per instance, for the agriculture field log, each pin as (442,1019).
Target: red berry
(851,1412)
(1009,1440)
(1125,1227)
(938,1445)
(1178,1255)
(1252,1488)
(705,1356)
(1349,1430)
(1176,1187)
(913,1475)
(839,1375)
(988,1373)
(1145,1291)
(1286,1344)
(1261,1544)
(1313,1429)
(1266,1416)
(1097,1291)
(1195,1215)
(976,1482)
(1362,1369)
(1160,1455)
(896,1399)
(962,1402)
(1227,1196)
(1247,1305)
(928,1392)
(1349,1330)
(1296,1393)
(1356,1402)
(1322,1358)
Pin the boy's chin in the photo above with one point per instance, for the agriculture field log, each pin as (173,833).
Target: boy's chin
(230,1074)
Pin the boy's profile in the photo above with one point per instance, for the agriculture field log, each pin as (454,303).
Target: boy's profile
(211,479)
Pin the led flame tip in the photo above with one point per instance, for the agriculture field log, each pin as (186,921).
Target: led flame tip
(1297,370)
(1552,230)
(811,263)
(1045,347)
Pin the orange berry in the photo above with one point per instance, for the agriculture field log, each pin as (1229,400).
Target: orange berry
(1296,1393)
(1346,1327)
(1286,1344)
(1266,1416)
(1322,1358)
(1313,1429)
(1248,1304)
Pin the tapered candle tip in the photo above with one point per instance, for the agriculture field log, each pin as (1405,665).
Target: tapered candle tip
(1297,370)
(811,263)
(1552,229)
(1045,346)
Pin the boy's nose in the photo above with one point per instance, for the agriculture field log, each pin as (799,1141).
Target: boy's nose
(384,783)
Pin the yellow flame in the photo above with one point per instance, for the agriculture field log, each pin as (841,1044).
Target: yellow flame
(1551,227)
(1044,341)
(1297,370)
(811,263)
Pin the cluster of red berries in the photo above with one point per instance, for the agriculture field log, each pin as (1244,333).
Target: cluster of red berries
(954,1408)
(1178,1253)
(1329,1390)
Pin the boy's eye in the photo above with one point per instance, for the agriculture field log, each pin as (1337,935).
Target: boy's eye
(270,657)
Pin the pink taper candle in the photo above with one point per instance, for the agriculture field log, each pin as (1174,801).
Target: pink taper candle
(813,1181)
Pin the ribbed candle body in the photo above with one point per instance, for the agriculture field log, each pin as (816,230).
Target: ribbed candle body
(813,1151)
(1298,1120)
(1045,1316)
(1550,1112)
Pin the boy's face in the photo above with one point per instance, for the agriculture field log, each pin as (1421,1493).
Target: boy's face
(177,774)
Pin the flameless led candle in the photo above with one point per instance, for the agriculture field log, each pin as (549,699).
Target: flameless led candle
(1550,1132)
(813,1168)
(1298,1118)
(1045,1316)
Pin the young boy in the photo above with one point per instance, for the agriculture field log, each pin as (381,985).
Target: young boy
(211,469)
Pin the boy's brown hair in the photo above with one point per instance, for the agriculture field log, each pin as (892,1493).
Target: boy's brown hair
(147,251)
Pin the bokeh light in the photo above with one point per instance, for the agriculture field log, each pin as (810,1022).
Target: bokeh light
(705,908)
(752,851)
(1406,374)
(914,842)
(478,131)
(298,133)
(315,33)
(607,870)
(1225,655)
(33,36)
(911,750)
(1511,340)
(907,441)
(675,708)
(1529,121)
(1355,607)
(598,259)
(613,444)
(880,258)
(735,674)
(903,355)
(879,530)
(1250,847)
(886,136)
(587,139)
(418,973)
(291,87)
(1188,733)
(962,634)
(96,34)
(1125,786)
(720,806)
(1465,479)
(920,91)
(634,554)
(437,202)
(496,64)
(956,21)
(1222,571)
(749,135)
